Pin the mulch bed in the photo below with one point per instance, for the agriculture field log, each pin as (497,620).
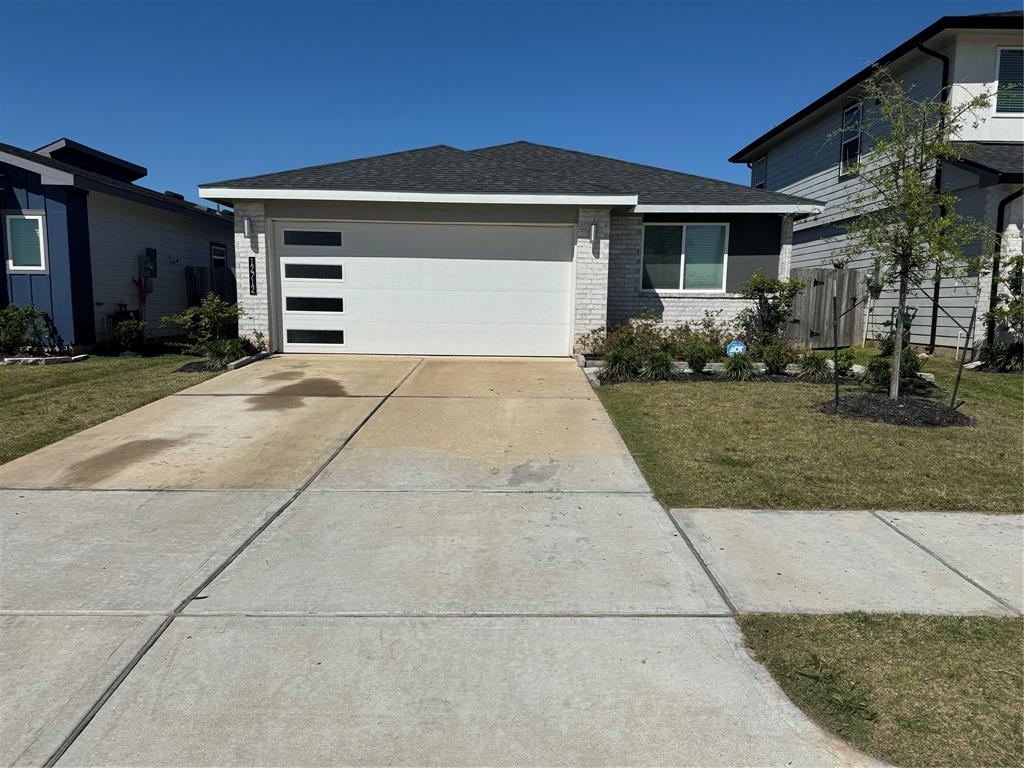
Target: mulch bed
(905,412)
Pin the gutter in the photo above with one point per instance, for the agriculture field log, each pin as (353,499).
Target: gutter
(937,282)
(993,297)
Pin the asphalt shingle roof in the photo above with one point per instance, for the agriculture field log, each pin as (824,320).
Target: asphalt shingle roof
(116,185)
(517,168)
(1003,158)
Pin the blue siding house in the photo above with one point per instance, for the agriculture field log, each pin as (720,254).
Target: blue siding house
(82,241)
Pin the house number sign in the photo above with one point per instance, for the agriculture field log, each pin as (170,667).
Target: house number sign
(252,275)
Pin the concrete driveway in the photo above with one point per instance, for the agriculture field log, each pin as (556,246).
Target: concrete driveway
(372,561)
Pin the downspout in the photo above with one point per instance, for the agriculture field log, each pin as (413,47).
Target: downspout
(993,298)
(937,283)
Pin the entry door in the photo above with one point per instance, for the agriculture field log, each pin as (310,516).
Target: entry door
(426,289)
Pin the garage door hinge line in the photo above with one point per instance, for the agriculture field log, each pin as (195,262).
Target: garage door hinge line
(110,689)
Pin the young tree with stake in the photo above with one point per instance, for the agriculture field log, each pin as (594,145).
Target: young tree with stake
(902,219)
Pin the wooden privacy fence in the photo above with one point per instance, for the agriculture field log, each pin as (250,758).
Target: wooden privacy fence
(811,325)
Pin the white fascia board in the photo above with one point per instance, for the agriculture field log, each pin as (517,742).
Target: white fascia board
(47,174)
(704,208)
(232,193)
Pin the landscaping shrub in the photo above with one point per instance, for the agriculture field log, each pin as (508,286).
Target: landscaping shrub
(698,352)
(594,343)
(846,358)
(762,324)
(129,334)
(880,368)
(887,342)
(27,330)
(714,332)
(1005,356)
(656,366)
(813,366)
(739,368)
(219,352)
(777,356)
(620,363)
(212,320)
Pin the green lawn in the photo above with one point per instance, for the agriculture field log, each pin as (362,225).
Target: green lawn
(763,445)
(912,690)
(42,404)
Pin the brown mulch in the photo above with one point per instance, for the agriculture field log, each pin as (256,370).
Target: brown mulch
(908,411)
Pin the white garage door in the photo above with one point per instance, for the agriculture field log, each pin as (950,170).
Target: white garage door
(430,289)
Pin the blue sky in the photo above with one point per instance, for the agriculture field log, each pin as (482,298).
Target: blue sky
(201,91)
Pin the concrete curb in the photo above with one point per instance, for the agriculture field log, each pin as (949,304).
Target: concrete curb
(44,360)
(244,361)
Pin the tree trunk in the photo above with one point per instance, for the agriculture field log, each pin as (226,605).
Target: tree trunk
(897,347)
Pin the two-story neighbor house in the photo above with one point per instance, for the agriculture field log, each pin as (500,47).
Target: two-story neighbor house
(83,241)
(808,154)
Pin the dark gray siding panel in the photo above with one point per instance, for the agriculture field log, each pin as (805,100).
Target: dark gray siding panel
(742,268)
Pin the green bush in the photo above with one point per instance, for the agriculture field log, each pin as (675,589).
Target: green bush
(697,351)
(762,323)
(219,352)
(27,329)
(129,334)
(657,366)
(887,342)
(621,363)
(1005,356)
(813,366)
(739,368)
(212,320)
(847,357)
(777,356)
(879,368)
(594,343)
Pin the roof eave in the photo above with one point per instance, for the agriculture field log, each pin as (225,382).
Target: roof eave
(806,209)
(753,149)
(230,194)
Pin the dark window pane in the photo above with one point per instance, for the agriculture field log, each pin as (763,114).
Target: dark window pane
(314,271)
(851,154)
(312,237)
(314,304)
(663,248)
(1010,96)
(316,337)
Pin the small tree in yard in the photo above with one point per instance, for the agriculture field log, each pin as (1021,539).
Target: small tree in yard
(762,323)
(902,219)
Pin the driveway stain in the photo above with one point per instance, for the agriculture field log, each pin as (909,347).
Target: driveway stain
(532,472)
(291,396)
(108,463)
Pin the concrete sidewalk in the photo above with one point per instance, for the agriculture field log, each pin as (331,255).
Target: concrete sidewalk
(832,562)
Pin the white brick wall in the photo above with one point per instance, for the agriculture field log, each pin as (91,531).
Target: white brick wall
(591,299)
(256,308)
(624,297)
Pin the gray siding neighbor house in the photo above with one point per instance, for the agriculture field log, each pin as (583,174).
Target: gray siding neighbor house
(516,249)
(82,241)
(804,155)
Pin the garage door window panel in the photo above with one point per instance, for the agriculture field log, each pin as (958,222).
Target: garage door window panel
(315,238)
(314,272)
(315,336)
(315,304)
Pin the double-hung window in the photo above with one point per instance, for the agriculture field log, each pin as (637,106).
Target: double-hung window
(685,257)
(218,256)
(1010,93)
(26,242)
(850,152)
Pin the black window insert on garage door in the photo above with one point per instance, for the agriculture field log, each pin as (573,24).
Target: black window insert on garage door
(314,304)
(296,336)
(312,237)
(314,271)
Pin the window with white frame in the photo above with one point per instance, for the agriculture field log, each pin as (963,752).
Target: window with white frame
(26,242)
(1010,93)
(759,172)
(850,151)
(685,257)
(218,256)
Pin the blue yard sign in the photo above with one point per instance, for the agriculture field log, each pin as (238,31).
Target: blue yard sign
(736,347)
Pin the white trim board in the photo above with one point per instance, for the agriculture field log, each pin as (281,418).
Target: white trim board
(229,193)
(706,208)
